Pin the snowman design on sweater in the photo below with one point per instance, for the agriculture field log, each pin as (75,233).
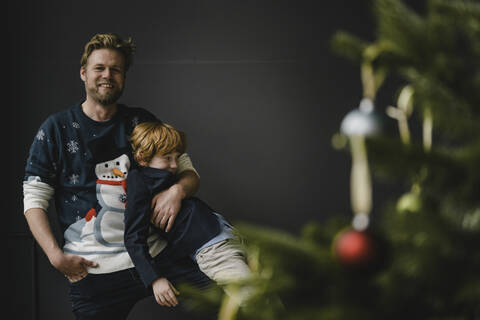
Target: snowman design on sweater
(99,236)
(103,225)
(112,197)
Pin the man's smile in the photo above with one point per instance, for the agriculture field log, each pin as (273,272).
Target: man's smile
(106,85)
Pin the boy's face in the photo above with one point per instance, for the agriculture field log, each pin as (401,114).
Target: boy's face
(167,161)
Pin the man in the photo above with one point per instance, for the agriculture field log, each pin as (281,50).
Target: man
(82,155)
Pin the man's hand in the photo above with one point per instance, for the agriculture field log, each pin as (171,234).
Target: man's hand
(165,292)
(166,205)
(73,267)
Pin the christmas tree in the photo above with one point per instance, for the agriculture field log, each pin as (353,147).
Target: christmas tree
(419,257)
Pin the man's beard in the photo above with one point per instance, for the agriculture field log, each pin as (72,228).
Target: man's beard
(107,98)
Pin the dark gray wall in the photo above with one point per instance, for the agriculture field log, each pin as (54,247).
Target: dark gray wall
(253,84)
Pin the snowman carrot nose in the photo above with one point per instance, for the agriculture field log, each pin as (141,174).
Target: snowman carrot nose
(118,172)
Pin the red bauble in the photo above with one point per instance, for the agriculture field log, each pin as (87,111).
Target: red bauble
(354,248)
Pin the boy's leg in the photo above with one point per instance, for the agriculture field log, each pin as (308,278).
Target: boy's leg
(223,262)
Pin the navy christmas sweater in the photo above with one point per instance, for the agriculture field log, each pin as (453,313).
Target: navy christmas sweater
(86,163)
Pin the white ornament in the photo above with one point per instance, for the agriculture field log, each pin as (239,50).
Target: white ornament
(361,121)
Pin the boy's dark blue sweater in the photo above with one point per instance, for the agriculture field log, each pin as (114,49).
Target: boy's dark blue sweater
(194,225)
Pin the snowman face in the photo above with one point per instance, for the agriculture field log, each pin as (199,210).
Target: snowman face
(113,170)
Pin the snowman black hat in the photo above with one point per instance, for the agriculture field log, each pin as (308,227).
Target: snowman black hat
(106,148)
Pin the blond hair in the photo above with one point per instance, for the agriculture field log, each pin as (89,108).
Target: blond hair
(151,138)
(109,41)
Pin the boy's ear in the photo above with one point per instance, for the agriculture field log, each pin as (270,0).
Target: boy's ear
(140,159)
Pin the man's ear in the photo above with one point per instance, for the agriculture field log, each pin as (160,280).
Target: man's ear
(82,73)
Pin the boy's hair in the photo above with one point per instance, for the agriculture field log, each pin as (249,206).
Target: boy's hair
(150,138)
(109,41)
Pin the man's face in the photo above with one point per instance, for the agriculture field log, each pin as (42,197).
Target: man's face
(104,76)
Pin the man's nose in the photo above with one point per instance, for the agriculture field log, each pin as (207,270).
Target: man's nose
(106,73)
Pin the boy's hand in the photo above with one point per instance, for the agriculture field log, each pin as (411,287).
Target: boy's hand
(73,267)
(166,205)
(165,292)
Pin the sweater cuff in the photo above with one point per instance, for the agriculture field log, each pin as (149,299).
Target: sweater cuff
(148,275)
(185,164)
(36,194)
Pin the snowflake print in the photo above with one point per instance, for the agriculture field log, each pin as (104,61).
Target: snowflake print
(135,122)
(74,178)
(78,218)
(75,125)
(40,135)
(74,198)
(73,146)
(123,198)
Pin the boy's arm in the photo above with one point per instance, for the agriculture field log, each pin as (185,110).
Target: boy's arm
(137,228)
(166,204)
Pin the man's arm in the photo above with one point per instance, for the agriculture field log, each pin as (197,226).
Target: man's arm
(73,267)
(166,204)
(38,190)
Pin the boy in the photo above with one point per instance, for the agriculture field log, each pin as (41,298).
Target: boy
(198,231)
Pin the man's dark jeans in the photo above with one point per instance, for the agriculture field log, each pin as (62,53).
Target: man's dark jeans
(113,295)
